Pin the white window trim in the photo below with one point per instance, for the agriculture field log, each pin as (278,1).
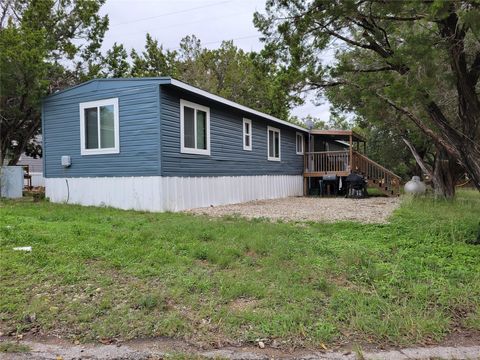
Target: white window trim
(296,143)
(116,124)
(271,158)
(184,149)
(249,122)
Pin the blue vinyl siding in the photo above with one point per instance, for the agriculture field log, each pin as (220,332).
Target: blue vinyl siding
(149,117)
(226,142)
(139,118)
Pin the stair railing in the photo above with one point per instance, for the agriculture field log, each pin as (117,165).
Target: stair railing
(375,173)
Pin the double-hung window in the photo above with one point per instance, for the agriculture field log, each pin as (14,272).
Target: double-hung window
(300,143)
(194,128)
(273,143)
(247,134)
(99,127)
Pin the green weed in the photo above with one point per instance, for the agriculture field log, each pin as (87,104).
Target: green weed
(105,273)
(13,347)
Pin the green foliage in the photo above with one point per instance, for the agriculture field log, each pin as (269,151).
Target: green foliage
(42,44)
(99,272)
(404,68)
(115,63)
(154,60)
(47,45)
(385,146)
(382,125)
(248,78)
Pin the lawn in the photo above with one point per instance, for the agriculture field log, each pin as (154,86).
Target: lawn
(102,274)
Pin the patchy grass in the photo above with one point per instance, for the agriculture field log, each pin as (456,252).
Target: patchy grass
(100,274)
(375,192)
(13,347)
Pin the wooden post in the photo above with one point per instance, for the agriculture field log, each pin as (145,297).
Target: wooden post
(351,151)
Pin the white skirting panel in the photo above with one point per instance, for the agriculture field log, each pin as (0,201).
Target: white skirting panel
(37,179)
(156,193)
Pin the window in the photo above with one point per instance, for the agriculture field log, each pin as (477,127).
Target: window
(300,143)
(273,143)
(247,134)
(99,132)
(194,128)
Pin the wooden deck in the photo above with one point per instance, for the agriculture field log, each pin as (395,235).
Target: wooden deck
(340,163)
(326,163)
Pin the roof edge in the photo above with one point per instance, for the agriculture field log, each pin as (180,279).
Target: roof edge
(159,79)
(204,93)
(338,132)
(166,80)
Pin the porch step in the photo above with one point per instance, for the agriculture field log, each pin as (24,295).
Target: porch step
(341,163)
(387,190)
(378,176)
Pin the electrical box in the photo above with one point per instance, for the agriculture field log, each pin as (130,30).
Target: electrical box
(66,161)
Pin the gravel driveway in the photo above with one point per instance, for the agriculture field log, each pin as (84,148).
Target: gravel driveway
(370,210)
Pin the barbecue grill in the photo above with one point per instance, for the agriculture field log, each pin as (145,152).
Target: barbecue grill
(356,186)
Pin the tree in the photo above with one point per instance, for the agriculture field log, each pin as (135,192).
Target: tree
(405,55)
(38,40)
(392,136)
(115,62)
(154,61)
(248,78)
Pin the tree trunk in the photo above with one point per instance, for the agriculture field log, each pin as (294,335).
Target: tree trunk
(466,140)
(462,142)
(443,172)
(444,175)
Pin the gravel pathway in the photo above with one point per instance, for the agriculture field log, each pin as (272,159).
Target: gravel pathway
(370,210)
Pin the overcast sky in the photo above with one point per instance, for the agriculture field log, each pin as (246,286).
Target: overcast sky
(212,21)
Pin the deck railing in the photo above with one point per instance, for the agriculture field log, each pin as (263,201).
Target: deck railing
(376,173)
(326,162)
(338,162)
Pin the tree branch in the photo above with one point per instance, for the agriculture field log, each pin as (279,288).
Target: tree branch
(421,125)
(5,6)
(372,45)
(344,38)
(327,84)
(425,168)
(398,18)
(384,68)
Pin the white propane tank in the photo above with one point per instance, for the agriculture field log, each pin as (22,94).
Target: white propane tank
(415,186)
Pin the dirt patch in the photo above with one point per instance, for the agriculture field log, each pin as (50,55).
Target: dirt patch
(370,210)
(242,304)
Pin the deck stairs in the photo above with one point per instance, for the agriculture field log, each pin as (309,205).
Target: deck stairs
(377,176)
(324,163)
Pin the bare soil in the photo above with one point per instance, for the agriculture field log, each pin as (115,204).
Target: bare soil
(369,210)
(164,348)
